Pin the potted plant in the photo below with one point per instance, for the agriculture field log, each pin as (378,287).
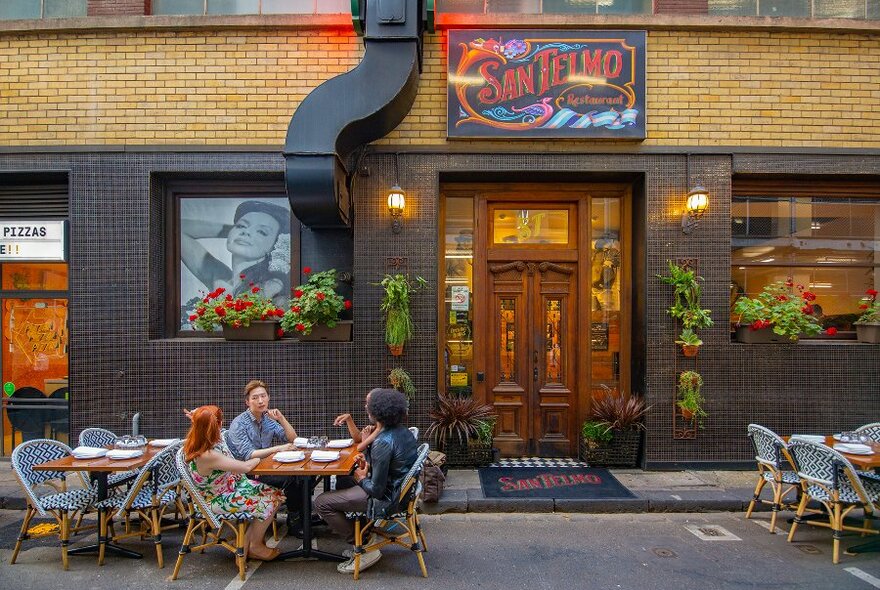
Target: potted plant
(402,382)
(248,316)
(396,305)
(612,434)
(690,399)
(690,342)
(463,428)
(782,312)
(868,324)
(315,308)
(686,293)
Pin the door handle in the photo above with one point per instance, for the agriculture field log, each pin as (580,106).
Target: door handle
(535,366)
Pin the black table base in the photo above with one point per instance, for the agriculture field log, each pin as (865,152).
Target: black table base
(306,519)
(100,478)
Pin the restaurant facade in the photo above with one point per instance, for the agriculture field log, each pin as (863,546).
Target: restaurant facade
(547,159)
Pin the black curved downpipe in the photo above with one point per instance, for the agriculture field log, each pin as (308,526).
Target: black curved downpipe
(351,110)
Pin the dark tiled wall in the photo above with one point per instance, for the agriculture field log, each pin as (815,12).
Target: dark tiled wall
(121,363)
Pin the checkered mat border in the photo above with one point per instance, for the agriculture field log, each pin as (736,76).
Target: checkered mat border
(538,462)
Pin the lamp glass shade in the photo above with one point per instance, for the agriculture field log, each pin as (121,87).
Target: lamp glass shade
(396,200)
(697,201)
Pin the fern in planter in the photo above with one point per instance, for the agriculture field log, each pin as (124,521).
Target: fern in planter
(396,305)
(686,297)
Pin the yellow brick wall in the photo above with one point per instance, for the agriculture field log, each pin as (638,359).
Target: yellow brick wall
(819,89)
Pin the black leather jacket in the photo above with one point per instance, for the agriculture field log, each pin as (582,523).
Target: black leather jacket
(392,454)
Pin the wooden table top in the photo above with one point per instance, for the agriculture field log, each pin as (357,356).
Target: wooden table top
(343,466)
(99,464)
(863,462)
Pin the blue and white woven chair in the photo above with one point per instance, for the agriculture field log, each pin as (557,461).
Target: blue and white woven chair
(829,477)
(211,524)
(872,431)
(101,437)
(774,467)
(154,491)
(406,519)
(62,506)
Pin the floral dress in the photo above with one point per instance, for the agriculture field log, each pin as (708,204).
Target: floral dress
(233,493)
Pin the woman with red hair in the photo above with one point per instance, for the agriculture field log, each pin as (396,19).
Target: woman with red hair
(223,482)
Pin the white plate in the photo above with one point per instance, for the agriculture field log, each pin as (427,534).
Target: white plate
(854,449)
(164,442)
(325,458)
(289,456)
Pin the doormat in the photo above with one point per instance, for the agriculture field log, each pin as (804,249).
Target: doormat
(575,483)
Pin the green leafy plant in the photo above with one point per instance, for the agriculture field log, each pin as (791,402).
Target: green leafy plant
(485,431)
(402,382)
(315,302)
(783,306)
(870,307)
(690,399)
(686,292)
(396,305)
(219,308)
(459,418)
(596,433)
(619,411)
(689,338)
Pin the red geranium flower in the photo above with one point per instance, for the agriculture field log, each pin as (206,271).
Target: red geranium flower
(831,331)
(319,296)
(307,269)
(241,276)
(297,293)
(296,309)
(255,290)
(871,292)
(279,332)
(807,309)
(219,310)
(300,327)
(347,304)
(193,317)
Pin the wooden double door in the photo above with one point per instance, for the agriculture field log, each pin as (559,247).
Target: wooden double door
(551,296)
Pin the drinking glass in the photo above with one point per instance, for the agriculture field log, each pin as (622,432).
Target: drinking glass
(863,438)
(845,437)
(322,441)
(313,441)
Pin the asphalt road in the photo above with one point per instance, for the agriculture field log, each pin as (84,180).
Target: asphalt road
(494,551)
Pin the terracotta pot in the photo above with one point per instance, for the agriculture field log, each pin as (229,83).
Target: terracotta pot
(686,414)
(341,332)
(256,331)
(395,349)
(869,333)
(690,350)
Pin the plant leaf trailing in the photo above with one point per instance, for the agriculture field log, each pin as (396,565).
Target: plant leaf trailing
(689,396)
(686,292)
(461,418)
(402,382)
(396,305)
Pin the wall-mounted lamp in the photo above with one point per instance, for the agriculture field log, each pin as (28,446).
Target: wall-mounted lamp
(696,205)
(396,201)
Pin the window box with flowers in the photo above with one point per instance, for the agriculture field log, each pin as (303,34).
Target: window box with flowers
(782,312)
(248,316)
(868,324)
(315,308)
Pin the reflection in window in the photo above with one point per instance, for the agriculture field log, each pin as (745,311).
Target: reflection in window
(507,338)
(458,267)
(530,226)
(829,245)
(605,283)
(553,340)
(34,276)
(200,7)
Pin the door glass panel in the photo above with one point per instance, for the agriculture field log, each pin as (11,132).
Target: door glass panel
(458,355)
(605,293)
(507,338)
(34,276)
(530,226)
(34,362)
(553,344)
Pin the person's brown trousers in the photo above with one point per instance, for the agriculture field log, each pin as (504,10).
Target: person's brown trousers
(332,506)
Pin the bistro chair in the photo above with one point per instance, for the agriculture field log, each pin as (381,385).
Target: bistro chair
(415,431)
(774,467)
(101,437)
(62,506)
(829,477)
(872,431)
(151,494)
(211,524)
(406,518)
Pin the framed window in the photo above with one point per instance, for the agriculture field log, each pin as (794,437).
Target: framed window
(823,235)
(15,9)
(212,7)
(234,235)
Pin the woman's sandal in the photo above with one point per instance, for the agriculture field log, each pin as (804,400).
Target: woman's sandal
(267,557)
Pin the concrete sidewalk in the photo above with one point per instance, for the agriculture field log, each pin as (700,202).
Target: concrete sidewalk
(655,491)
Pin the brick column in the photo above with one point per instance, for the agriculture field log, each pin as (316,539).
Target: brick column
(118,7)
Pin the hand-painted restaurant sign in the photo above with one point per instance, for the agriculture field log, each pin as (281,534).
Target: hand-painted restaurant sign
(32,240)
(546,84)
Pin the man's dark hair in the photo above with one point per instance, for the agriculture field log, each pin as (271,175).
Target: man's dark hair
(388,406)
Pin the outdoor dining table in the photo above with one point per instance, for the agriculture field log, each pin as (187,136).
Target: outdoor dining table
(310,470)
(99,470)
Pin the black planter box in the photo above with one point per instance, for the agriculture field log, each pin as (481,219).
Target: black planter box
(341,332)
(258,330)
(746,335)
(468,455)
(621,451)
(869,333)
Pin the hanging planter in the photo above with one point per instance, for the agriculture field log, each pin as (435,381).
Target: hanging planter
(395,349)
(257,330)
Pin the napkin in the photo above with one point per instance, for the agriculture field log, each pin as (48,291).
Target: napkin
(816,438)
(164,442)
(124,453)
(289,456)
(88,452)
(325,455)
(301,442)
(855,448)
(340,443)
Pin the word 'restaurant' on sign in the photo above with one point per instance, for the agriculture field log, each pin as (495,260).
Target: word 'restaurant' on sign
(32,240)
(546,84)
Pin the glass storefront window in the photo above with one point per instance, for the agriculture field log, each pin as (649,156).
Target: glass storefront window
(19,276)
(530,226)
(605,291)
(216,7)
(15,9)
(458,355)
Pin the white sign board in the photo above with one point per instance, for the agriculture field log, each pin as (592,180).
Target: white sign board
(32,241)
(460,298)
